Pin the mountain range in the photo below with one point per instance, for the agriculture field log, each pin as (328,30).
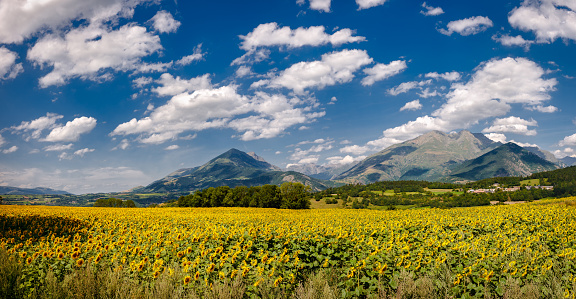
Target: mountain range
(232,168)
(437,156)
(434,156)
(504,161)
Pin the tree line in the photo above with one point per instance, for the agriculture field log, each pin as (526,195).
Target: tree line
(288,196)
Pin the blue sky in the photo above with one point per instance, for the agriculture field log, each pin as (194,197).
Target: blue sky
(107,95)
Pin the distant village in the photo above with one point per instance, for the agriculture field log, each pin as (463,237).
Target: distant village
(510,189)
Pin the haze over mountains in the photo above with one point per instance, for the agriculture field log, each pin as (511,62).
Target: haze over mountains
(434,156)
(6,190)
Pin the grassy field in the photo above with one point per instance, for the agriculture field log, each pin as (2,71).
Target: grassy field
(518,251)
(323,205)
(534,182)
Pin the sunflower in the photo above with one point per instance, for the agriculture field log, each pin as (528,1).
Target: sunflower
(60,255)
(187,279)
(29,260)
(277,281)
(80,262)
(197,275)
(75,254)
(156,274)
(23,254)
(210,268)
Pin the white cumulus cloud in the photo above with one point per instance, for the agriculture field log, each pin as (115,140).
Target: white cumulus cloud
(341,161)
(82,152)
(256,117)
(72,130)
(547,109)
(512,124)
(413,105)
(383,71)
(431,11)
(188,59)
(9,69)
(92,52)
(10,150)
(37,126)
(548,19)
(568,141)
(164,22)
(496,137)
(407,86)
(58,147)
(22,19)
(509,41)
(334,68)
(270,34)
(321,5)
(469,26)
(173,86)
(448,76)
(494,87)
(365,4)
(310,155)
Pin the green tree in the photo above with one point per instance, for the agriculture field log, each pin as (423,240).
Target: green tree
(270,196)
(129,204)
(294,196)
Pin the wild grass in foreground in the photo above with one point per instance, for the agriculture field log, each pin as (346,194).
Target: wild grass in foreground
(98,282)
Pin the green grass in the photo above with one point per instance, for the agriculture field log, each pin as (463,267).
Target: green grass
(534,182)
(323,205)
(439,191)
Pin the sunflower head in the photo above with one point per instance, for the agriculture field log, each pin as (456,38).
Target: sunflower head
(80,262)
(187,279)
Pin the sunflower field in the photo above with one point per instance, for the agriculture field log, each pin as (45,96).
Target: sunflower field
(451,253)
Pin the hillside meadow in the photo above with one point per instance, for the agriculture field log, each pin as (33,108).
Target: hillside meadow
(518,251)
